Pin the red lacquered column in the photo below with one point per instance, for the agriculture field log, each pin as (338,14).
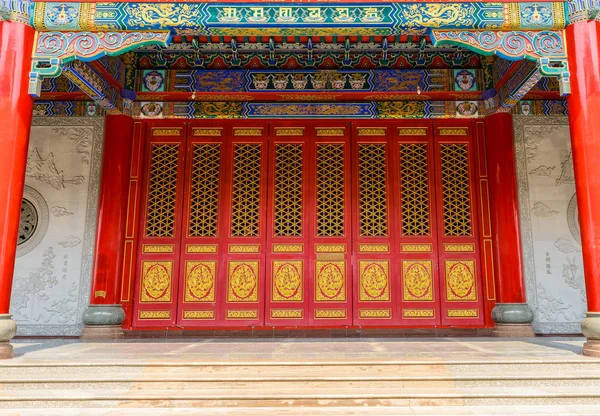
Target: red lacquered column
(584,120)
(512,314)
(16,45)
(104,316)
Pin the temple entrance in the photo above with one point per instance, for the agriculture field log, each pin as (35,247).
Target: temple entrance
(309,223)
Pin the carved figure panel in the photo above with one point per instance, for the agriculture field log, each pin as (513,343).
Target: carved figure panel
(330,281)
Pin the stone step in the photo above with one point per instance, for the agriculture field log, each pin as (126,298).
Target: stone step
(541,410)
(299,396)
(274,381)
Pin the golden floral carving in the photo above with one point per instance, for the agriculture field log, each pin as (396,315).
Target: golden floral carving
(462,313)
(166,132)
(330,313)
(323,131)
(330,248)
(156,281)
(154,314)
(287,281)
(284,131)
(238,314)
(416,248)
(244,248)
(287,313)
(247,131)
(288,248)
(201,248)
(213,131)
(418,313)
(165,248)
(460,280)
(373,248)
(417,280)
(412,131)
(200,278)
(243,281)
(331,281)
(375,313)
(457,248)
(371,131)
(374,284)
(198,314)
(457,131)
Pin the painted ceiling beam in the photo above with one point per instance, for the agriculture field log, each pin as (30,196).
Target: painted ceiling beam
(296,19)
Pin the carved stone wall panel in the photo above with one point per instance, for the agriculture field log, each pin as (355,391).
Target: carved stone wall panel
(52,281)
(550,233)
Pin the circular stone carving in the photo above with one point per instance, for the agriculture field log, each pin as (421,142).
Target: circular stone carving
(573,219)
(34,221)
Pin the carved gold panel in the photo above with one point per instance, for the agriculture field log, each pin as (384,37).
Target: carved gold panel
(287,313)
(459,248)
(154,314)
(456,198)
(157,131)
(331,281)
(374,280)
(418,313)
(199,315)
(453,131)
(371,131)
(162,190)
(375,313)
(372,193)
(242,285)
(330,248)
(201,248)
(200,279)
(211,131)
(288,281)
(156,248)
(373,248)
(239,314)
(462,313)
(412,131)
(289,131)
(331,202)
(244,248)
(460,280)
(156,281)
(416,248)
(242,131)
(288,248)
(330,313)
(331,131)
(417,280)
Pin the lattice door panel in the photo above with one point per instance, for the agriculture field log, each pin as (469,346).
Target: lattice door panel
(330,239)
(201,273)
(158,260)
(373,269)
(287,232)
(417,249)
(243,267)
(460,268)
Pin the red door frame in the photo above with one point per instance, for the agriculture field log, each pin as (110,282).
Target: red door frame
(484,305)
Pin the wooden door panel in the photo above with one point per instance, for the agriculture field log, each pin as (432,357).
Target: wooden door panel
(242,296)
(459,254)
(330,239)
(417,249)
(287,232)
(158,259)
(374,283)
(203,232)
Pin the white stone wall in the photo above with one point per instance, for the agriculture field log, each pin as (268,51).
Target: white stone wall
(53,269)
(549,224)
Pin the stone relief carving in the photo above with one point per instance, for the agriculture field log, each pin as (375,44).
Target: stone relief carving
(45,170)
(34,221)
(52,283)
(552,260)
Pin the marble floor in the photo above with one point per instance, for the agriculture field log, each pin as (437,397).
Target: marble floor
(281,350)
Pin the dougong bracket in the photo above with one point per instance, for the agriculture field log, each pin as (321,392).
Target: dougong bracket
(547,48)
(54,49)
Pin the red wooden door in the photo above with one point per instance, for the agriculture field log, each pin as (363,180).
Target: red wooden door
(203,231)
(159,249)
(413,180)
(372,243)
(330,238)
(458,235)
(287,232)
(242,294)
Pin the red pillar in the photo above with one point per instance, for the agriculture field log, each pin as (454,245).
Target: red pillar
(511,313)
(104,316)
(16,45)
(584,108)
